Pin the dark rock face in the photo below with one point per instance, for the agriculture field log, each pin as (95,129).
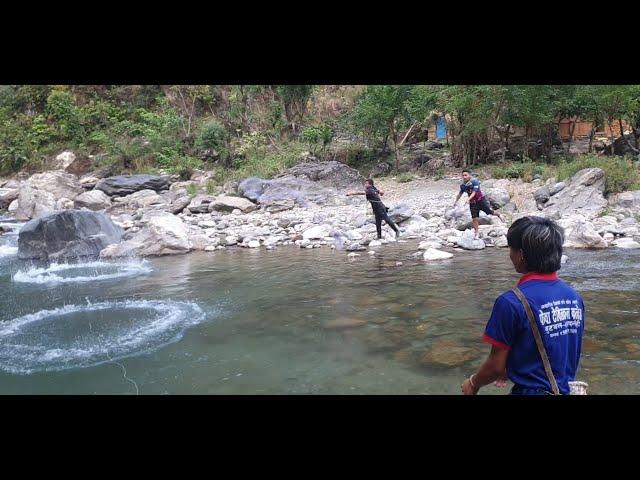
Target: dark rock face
(67,234)
(123,185)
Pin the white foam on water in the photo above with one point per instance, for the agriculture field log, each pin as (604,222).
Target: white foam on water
(14,228)
(25,352)
(48,275)
(8,251)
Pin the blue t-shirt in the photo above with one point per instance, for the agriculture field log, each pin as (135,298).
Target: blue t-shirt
(559,312)
(471,186)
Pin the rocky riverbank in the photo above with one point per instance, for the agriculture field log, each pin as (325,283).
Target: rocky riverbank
(307,207)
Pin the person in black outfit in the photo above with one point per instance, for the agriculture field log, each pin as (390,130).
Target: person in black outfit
(379,210)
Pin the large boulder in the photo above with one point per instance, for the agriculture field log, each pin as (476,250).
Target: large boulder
(123,185)
(60,184)
(67,234)
(297,189)
(580,233)
(497,196)
(228,204)
(401,212)
(583,195)
(93,200)
(629,199)
(329,174)
(459,215)
(164,234)
(32,203)
(316,182)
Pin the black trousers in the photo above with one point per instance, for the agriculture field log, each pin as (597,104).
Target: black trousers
(380,216)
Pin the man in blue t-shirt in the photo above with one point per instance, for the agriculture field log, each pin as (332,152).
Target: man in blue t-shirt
(477,200)
(535,249)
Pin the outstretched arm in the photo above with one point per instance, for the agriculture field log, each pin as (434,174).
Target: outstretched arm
(458,198)
(355,193)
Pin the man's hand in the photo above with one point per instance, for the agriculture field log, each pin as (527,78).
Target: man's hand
(502,381)
(468,389)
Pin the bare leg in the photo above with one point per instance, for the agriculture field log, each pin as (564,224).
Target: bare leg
(476,224)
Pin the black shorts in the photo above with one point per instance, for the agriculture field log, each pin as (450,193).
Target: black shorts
(483,205)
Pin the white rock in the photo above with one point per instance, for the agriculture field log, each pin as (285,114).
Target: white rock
(375,243)
(317,232)
(468,242)
(93,200)
(253,244)
(563,259)
(433,254)
(64,160)
(625,242)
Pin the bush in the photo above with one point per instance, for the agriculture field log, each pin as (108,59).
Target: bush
(404,177)
(315,136)
(213,136)
(621,173)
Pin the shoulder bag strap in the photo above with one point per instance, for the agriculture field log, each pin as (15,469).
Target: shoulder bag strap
(538,339)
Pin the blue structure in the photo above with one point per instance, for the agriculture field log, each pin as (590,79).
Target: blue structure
(441,128)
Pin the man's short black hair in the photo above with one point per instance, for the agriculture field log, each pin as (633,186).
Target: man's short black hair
(541,241)
(465,170)
(369,180)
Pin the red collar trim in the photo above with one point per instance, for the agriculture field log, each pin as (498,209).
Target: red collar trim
(549,277)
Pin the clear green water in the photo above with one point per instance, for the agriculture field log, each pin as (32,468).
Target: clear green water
(258,322)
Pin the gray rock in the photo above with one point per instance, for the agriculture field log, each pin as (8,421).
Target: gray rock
(8,195)
(164,234)
(582,234)
(123,185)
(542,195)
(556,188)
(467,241)
(93,200)
(32,203)
(179,204)
(228,204)
(201,203)
(58,183)
(498,197)
(583,195)
(401,212)
(280,206)
(67,234)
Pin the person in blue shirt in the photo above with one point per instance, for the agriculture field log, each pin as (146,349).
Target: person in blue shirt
(477,200)
(535,249)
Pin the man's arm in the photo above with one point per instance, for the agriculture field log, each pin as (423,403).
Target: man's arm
(355,193)
(471,196)
(494,368)
(458,197)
